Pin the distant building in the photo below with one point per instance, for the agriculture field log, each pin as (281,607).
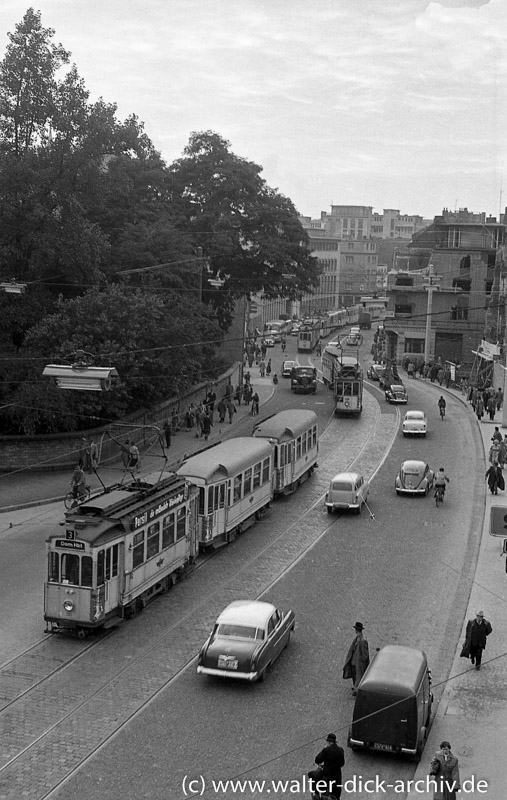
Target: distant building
(463,253)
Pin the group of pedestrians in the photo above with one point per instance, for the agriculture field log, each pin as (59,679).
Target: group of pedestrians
(485,400)
(326,779)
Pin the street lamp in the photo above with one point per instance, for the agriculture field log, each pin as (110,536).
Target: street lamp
(430,288)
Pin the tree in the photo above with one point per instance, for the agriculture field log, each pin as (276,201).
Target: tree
(249,233)
(156,352)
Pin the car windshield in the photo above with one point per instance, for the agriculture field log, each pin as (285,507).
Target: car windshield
(239,631)
(398,388)
(305,371)
(415,415)
(342,486)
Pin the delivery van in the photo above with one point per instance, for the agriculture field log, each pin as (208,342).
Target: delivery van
(392,711)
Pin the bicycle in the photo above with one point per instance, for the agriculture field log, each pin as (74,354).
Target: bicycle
(439,495)
(73,499)
(442,411)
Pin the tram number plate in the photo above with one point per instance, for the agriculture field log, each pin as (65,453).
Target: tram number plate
(379,746)
(227,662)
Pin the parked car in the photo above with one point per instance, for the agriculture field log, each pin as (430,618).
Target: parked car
(375,371)
(246,639)
(414,477)
(396,393)
(414,424)
(287,368)
(347,490)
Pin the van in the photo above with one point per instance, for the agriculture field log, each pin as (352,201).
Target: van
(392,711)
(347,490)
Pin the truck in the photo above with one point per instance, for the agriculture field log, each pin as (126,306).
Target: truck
(364,319)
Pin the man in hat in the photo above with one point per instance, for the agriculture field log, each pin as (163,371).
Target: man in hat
(330,760)
(357,659)
(477,631)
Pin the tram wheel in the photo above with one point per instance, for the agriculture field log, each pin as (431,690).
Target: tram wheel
(81,633)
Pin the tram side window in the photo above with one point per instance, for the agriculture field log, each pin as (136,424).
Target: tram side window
(100,568)
(247,485)
(168,531)
(265,470)
(138,550)
(303,444)
(314,436)
(202,493)
(298,447)
(238,482)
(221,501)
(70,568)
(181,522)
(153,541)
(257,475)
(86,571)
(111,566)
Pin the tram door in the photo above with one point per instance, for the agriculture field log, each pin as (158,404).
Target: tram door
(108,574)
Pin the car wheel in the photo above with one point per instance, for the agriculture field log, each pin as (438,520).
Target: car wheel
(262,674)
(360,507)
(329,510)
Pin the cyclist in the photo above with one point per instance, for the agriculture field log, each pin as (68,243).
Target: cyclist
(440,480)
(441,406)
(78,483)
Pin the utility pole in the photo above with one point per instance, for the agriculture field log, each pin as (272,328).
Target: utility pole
(430,287)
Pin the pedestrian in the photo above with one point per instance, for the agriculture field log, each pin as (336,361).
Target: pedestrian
(410,369)
(494,452)
(502,452)
(231,409)
(330,761)
(133,463)
(268,367)
(479,407)
(284,345)
(238,394)
(125,453)
(206,425)
(222,410)
(499,399)
(199,417)
(447,378)
(357,659)
(78,482)
(440,375)
(255,405)
(247,377)
(262,367)
(477,631)
(495,478)
(167,433)
(491,407)
(426,370)
(497,436)
(319,348)
(444,769)
(189,417)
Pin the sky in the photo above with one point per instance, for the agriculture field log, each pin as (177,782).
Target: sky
(384,103)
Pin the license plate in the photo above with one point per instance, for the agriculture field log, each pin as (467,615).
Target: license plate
(227,662)
(378,746)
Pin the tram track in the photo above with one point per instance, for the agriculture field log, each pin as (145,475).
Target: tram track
(99,691)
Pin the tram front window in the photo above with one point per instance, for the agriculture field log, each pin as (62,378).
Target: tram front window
(70,568)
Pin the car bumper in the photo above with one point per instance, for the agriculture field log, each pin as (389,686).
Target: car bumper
(342,506)
(228,673)
(414,433)
(403,490)
(397,400)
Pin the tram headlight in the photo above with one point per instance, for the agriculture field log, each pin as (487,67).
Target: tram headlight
(68,605)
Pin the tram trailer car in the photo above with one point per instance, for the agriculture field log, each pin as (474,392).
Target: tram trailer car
(294,436)
(117,551)
(234,479)
(348,387)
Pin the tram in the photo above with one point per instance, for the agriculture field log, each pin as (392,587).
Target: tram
(294,436)
(348,386)
(118,550)
(234,483)
(308,335)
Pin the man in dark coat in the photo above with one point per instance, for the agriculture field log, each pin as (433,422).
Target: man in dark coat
(357,659)
(477,631)
(330,760)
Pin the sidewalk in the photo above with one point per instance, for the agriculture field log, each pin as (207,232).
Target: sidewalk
(25,488)
(472,713)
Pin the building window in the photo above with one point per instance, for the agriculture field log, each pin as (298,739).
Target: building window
(414,345)
(458,312)
(454,237)
(403,309)
(349,259)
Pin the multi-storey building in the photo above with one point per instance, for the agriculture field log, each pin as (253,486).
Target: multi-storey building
(463,252)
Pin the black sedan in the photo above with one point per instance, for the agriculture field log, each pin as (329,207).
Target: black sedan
(247,638)
(396,393)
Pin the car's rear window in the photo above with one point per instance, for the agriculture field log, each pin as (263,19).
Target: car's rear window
(241,631)
(342,486)
(412,471)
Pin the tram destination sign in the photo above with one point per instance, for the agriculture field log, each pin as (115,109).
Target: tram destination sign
(69,545)
(155,511)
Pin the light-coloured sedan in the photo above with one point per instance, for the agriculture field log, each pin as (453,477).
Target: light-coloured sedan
(414,424)
(414,477)
(347,490)
(246,640)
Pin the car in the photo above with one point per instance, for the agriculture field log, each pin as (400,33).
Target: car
(287,368)
(246,640)
(352,340)
(375,371)
(396,393)
(414,477)
(269,341)
(414,424)
(347,490)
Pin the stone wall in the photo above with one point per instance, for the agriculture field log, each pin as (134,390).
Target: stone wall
(63,451)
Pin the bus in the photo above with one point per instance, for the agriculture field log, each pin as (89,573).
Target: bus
(277,328)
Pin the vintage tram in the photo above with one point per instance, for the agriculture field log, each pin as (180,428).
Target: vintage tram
(117,550)
(308,335)
(294,436)
(343,374)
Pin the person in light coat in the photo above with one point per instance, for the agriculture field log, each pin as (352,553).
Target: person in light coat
(357,659)
(444,770)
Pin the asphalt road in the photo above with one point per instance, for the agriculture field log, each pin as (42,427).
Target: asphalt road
(399,574)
